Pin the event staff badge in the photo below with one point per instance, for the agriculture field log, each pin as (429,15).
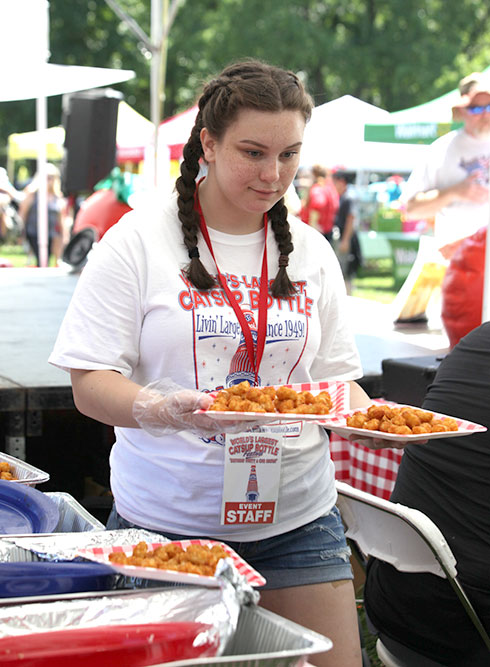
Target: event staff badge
(251,478)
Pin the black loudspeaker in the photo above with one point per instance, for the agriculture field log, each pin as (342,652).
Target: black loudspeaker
(407,380)
(90,122)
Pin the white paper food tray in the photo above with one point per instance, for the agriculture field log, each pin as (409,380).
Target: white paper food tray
(101,554)
(26,474)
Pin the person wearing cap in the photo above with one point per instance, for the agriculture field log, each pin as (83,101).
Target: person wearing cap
(451,184)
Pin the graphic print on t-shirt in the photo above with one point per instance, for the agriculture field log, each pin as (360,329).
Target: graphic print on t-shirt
(220,354)
(477,166)
(240,368)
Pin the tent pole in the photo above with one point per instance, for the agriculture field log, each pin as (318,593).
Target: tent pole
(162,17)
(42,124)
(157,18)
(42,190)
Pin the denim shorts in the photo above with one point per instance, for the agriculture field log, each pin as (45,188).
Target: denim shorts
(313,554)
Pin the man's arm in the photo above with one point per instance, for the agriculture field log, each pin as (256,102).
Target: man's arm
(427,204)
(314,218)
(344,244)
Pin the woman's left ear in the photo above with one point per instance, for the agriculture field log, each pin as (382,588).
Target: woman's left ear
(208,144)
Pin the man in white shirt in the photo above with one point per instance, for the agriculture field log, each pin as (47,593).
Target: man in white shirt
(452,183)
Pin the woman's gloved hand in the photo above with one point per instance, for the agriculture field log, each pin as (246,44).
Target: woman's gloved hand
(163,408)
(380,443)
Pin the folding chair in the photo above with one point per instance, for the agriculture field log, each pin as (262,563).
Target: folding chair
(410,541)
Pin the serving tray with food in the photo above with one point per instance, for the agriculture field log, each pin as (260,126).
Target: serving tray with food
(309,401)
(393,421)
(185,561)
(15,470)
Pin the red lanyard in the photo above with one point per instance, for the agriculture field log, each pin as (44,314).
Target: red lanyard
(254,353)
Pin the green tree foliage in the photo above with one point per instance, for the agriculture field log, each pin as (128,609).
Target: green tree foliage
(393,53)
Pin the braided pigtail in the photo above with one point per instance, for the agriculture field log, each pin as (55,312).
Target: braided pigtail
(282,287)
(188,216)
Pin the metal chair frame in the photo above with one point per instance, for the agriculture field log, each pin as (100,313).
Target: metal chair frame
(404,537)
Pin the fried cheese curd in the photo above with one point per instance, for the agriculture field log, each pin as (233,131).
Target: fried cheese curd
(6,471)
(194,559)
(400,421)
(245,398)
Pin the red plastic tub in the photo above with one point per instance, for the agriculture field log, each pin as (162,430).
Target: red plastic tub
(111,646)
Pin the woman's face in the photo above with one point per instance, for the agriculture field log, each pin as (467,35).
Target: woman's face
(253,164)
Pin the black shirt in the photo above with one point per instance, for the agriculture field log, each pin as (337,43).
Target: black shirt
(449,480)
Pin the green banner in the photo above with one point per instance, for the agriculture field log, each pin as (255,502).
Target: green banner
(408,133)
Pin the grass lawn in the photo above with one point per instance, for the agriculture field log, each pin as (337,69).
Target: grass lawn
(376,287)
(368,638)
(18,256)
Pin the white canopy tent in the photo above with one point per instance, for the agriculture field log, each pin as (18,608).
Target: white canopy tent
(335,137)
(26,43)
(38,80)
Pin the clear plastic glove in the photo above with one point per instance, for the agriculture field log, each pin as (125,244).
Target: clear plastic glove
(163,408)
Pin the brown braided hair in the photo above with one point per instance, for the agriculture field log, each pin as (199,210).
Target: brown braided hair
(250,84)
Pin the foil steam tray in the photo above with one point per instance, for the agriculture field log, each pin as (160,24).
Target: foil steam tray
(218,607)
(25,473)
(65,546)
(259,637)
(74,518)
(264,639)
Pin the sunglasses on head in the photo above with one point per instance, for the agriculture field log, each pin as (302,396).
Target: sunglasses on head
(478,109)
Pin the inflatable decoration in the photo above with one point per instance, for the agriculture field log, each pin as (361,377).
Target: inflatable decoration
(100,211)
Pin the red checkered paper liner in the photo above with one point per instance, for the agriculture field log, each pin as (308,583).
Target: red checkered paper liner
(337,423)
(101,555)
(370,470)
(339,393)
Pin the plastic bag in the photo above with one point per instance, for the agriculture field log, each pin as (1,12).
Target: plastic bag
(462,287)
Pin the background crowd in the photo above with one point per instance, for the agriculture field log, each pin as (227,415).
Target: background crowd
(19,215)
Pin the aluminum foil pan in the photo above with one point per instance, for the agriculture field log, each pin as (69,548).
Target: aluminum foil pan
(74,518)
(218,607)
(25,473)
(65,546)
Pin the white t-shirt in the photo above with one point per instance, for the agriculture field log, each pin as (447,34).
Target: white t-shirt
(449,160)
(134,312)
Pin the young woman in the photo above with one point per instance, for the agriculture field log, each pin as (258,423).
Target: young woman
(212,287)
(56,214)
